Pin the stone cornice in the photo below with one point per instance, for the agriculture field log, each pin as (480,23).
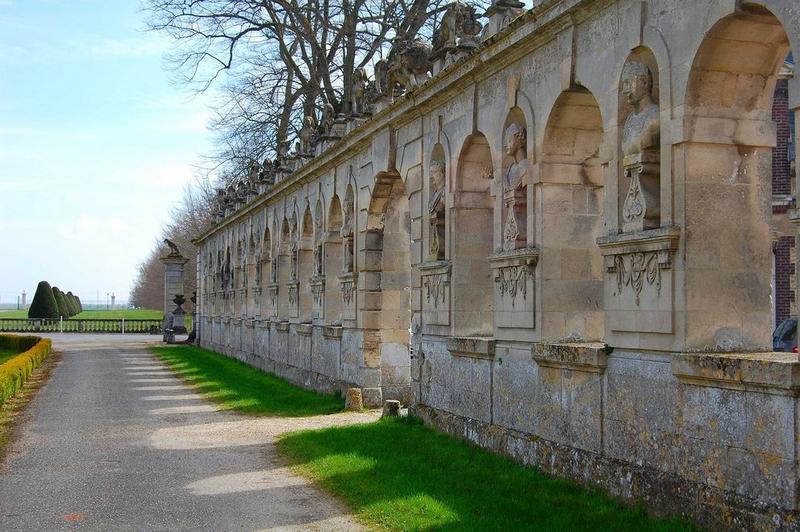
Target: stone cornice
(528,32)
(774,373)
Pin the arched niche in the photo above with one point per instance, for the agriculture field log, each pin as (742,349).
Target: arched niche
(348,231)
(286,236)
(241,258)
(437,204)
(332,250)
(319,238)
(736,67)
(226,270)
(471,237)
(335,215)
(726,159)
(253,266)
(267,253)
(305,265)
(515,172)
(571,187)
(384,304)
(307,235)
(285,263)
(639,108)
(317,279)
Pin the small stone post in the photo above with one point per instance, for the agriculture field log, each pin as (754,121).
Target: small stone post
(353,399)
(174,264)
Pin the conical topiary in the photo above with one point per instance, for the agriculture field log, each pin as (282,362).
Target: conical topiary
(63,309)
(80,305)
(73,304)
(44,304)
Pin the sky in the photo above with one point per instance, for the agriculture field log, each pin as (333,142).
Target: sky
(96,144)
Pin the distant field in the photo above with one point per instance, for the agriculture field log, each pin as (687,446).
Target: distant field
(128,314)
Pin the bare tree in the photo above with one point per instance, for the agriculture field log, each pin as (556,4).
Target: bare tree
(188,219)
(284,59)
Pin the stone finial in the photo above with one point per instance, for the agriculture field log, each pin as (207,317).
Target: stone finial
(359,105)
(459,30)
(328,118)
(407,67)
(173,249)
(305,146)
(500,15)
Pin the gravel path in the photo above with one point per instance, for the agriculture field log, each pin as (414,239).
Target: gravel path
(115,442)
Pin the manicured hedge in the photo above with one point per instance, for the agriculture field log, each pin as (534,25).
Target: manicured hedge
(63,309)
(72,303)
(44,303)
(14,372)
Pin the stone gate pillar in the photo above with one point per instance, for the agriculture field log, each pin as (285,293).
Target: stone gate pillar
(174,264)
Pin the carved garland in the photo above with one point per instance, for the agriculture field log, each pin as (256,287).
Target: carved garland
(513,280)
(273,296)
(318,290)
(294,290)
(635,268)
(435,286)
(348,289)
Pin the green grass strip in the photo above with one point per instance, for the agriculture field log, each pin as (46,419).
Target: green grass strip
(242,388)
(398,474)
(128,314)
(6,354)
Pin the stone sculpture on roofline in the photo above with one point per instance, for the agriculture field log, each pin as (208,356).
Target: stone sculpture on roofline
(409,64)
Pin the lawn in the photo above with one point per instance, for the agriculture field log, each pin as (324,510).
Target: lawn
(128,314)
(242,388)
(6,354)
(398,474)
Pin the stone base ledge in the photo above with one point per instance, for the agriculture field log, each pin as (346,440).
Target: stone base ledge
(435,267)
(516,257)
(589,357)
(304,329)
(332,331)
(282,326)
(776,373)
(250,324)
(471,346)
(661,239)
(660,492)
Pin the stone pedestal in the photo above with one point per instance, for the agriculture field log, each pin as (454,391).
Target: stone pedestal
(174,265)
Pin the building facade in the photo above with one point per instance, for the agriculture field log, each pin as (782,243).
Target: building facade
(556,244)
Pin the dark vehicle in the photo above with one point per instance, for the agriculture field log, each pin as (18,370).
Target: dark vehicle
(785,336)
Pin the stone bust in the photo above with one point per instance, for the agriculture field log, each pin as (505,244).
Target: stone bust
(516,146)
(347,223)
(437,187)
(642,129)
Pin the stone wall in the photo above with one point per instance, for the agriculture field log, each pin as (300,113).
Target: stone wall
(559,247)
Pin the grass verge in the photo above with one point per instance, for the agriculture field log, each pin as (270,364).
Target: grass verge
(399,474)
(242,388)
(12,410)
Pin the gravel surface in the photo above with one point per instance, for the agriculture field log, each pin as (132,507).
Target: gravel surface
(115,442)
